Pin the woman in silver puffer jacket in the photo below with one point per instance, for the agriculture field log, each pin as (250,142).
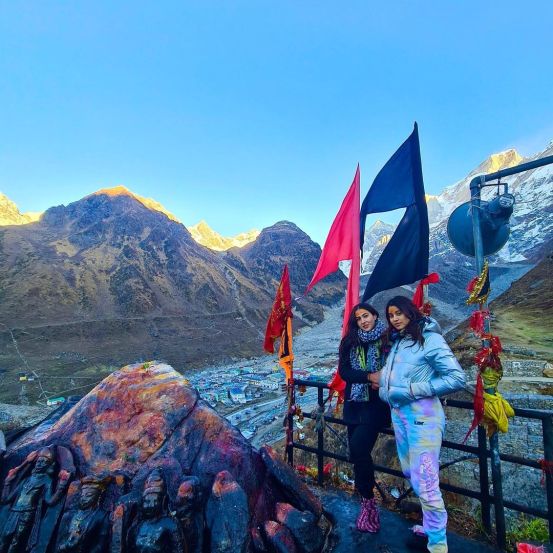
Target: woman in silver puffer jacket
(420,367)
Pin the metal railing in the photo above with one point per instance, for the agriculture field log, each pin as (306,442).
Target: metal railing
(481,452)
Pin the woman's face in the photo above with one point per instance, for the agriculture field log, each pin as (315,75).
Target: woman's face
(397,319)
(365,319)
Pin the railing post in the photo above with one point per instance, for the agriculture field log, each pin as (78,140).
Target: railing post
(475,201)
(498,492)
(320,439)
(547,426)
(484,480)
(290,424)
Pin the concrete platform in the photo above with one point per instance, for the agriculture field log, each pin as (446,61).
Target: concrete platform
(343,508)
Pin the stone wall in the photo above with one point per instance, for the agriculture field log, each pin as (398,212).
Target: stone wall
(524,439)
(526,368)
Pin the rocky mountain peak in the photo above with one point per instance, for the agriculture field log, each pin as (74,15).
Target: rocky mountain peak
(279,225)
(380,225)
(498,161)
(202,225)
(150,203)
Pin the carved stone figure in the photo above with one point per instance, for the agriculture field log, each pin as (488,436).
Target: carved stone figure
(30,496)
(227,516)
(190,514)
(86,530)
(155,530)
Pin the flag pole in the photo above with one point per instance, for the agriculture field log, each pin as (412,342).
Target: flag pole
(291,391)
(279,325)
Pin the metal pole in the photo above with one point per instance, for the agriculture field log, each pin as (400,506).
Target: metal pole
(498,492)
(290,423)
(320,440)
(484,480)
(475,187)
(481,179)
(547,425)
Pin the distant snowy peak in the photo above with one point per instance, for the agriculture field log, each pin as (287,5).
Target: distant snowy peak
(10,214)
(206,236)
(376,238)
(454,195)
(531,223)
(496,162)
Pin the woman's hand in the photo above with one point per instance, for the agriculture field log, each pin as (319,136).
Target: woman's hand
(374,379)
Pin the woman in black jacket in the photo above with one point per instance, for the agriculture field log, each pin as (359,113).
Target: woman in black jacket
(364,412)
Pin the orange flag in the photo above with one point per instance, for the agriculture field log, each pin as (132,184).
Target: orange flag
(279,325)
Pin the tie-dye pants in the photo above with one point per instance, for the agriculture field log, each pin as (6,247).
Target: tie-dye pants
(419,427)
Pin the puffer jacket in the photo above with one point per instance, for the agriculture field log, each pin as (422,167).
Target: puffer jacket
(413,371)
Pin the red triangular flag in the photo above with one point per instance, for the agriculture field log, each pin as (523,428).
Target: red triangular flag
(281,312)
(342,244)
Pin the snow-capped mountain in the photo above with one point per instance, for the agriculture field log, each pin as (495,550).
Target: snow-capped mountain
(531,229)
(376,238)
(206,236)
(531,222)
(441,206)
(10,214)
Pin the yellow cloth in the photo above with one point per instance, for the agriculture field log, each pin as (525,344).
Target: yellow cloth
(491,377)
(496,413)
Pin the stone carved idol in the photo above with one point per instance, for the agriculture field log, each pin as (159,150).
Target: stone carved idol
(154,529)
(190,514)
(86,530)
(32,501)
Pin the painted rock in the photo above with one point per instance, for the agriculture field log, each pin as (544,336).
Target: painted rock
(155,449)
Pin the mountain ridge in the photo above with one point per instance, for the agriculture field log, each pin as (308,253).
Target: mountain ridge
(107,280)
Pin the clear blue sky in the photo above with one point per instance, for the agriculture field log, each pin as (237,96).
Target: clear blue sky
(244,113)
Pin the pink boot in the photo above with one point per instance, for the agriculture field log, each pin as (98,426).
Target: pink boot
(369,518)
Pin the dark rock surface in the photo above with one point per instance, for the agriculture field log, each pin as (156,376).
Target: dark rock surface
(279,537)
(303,525)
(344,538)
(298,493)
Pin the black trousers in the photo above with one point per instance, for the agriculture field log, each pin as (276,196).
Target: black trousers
(365,421)
(361,438)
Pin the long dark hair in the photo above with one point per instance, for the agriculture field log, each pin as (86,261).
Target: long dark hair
(411,311)
(351,338)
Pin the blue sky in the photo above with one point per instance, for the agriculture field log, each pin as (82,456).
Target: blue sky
(244,113)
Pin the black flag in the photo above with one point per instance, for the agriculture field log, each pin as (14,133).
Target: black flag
(399,184)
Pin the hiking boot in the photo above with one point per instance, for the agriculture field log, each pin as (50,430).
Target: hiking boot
(369,518)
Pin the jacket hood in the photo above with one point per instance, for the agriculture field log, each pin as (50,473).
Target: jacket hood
(431,325)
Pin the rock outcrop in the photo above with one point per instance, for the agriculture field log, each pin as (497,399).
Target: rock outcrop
(143,448)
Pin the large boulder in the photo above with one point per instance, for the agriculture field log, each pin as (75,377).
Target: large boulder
(146,442)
